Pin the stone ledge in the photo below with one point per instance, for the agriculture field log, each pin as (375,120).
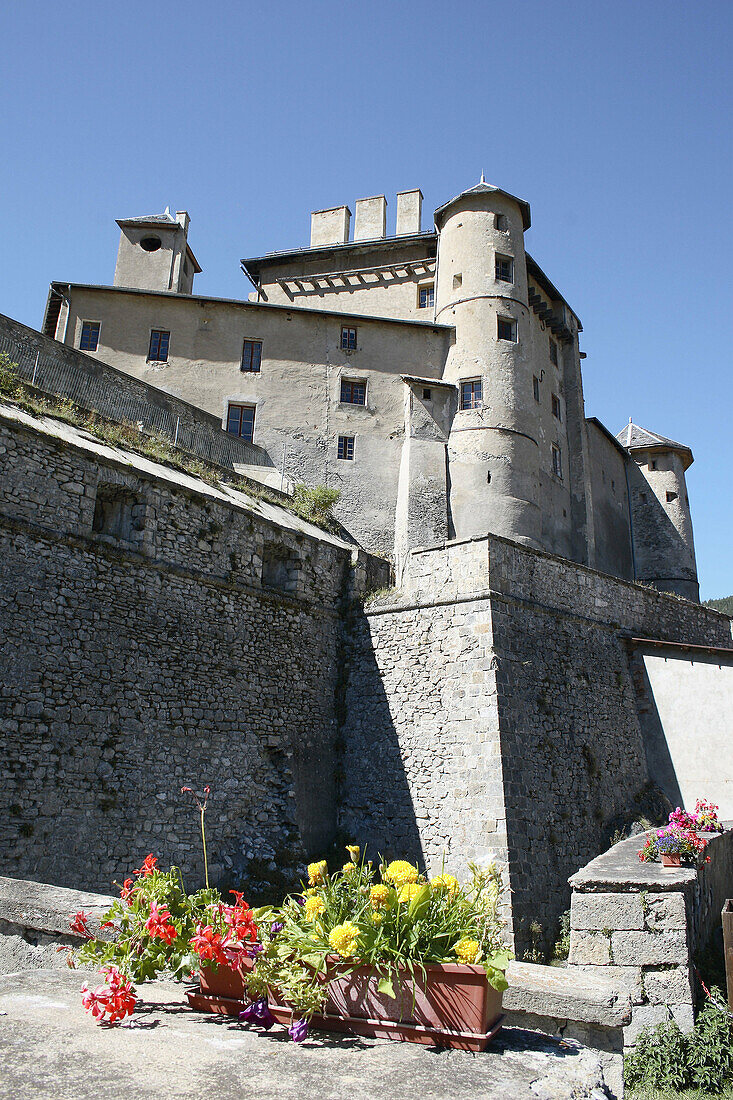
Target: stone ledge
(44,908)
(564,994)
(619,869)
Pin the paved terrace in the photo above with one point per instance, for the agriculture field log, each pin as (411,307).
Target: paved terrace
(50,1049)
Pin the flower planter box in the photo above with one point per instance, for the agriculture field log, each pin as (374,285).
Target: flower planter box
(452,1006)
(669,860)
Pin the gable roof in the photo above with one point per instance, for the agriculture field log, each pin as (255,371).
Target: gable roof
(158,220)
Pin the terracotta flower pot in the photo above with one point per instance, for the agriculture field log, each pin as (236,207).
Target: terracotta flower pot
(670,860)
(452,1005)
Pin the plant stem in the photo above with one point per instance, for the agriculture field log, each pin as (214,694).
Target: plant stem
(203,838)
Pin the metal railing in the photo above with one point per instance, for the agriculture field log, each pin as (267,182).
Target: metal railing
(99,388)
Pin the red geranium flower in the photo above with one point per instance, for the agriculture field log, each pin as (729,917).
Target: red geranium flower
(148,866)
(157,927)
(79,925)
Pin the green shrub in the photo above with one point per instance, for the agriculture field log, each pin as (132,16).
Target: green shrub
(562,945)
(9,377)
(667,1058)
(315,504)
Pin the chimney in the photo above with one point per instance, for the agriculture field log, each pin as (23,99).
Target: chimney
(330,226)
(371,218)
(183,220)
(409,212)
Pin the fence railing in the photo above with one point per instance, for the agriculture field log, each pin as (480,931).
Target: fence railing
(99,388)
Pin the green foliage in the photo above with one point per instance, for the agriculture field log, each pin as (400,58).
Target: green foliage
(667,1058)
(535,953)
(314,503)
(562,944)
(133,950)
(10,383)
(723,604)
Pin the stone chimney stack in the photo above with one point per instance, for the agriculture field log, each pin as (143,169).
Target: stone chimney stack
(409,212)
(330,226)
(371,218)
(183,220)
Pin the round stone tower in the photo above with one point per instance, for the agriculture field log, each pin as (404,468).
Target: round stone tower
(664,550)
(481,288)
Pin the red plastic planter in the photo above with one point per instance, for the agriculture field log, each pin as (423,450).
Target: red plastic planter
(669,860)
(453,1006)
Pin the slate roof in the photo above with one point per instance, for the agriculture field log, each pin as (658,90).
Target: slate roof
(635,438)
(150,219)
(486,189)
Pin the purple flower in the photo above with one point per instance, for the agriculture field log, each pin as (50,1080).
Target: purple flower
(298,1030)
(300,899)
(258,1013)
(275,927)
(254,949)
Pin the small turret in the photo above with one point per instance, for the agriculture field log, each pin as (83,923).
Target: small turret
(154,253)
(664,550)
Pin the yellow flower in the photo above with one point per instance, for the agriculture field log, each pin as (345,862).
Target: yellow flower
(377,916)
(407,892)
(343,938)
(400,872)
(314,907)
(317,872)
(467,950)
(379,896)
(311,892)
(353,850)
(446,883)
(348,868)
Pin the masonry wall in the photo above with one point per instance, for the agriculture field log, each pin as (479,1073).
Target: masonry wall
(508,670)
(199,645)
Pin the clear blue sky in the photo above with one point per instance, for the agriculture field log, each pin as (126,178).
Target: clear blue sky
(612,119)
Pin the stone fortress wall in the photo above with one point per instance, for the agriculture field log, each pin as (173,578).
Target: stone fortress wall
(158,632)
(491,707)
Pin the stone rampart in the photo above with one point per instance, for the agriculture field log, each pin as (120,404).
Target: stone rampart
(159,632)
(491,707)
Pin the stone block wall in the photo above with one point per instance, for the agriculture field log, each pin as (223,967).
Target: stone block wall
(639,926)
(142,658)
(490,707)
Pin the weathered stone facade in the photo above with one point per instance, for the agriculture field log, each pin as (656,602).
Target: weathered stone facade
(491,707)
(141,658)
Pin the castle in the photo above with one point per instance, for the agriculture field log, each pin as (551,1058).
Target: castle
(433,377)
(515,694)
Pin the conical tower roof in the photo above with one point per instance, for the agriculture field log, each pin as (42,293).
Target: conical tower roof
(635,438)
(484,188)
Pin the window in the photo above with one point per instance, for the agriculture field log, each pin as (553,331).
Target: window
(252,356)
(504,268)
(556,460)
(151,244)
(159,341)
(506,329)
(471,394)
(89,335)
(553,351)
(427,394)
(353,393)
(241,421)
(348,339)
(426,296)
(457,282)
(346,447)
(670,496)
(118,515)
(500,222)
(653,464)
(556,411)
(536,387)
